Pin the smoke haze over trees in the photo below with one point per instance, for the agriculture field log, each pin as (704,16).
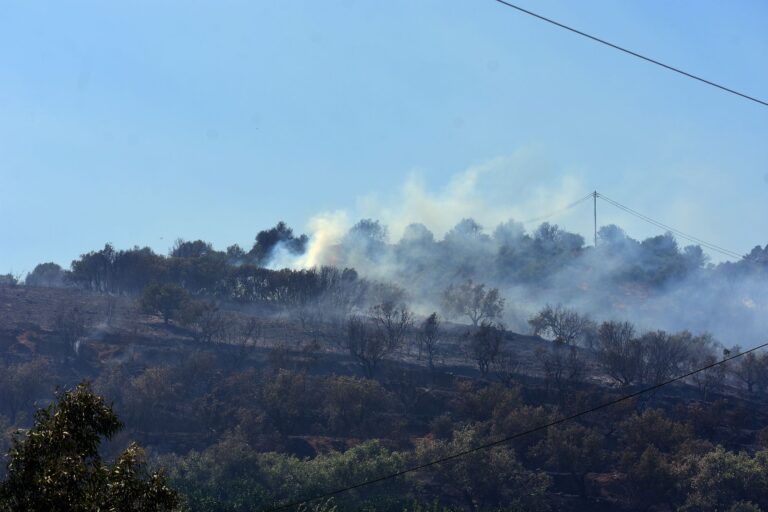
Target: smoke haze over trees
(655,282)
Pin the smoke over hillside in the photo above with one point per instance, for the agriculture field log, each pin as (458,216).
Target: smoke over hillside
(424,242)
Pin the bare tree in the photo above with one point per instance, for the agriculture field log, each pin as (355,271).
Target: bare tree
(429,338)
(561,324)
(749,371)
(365,344)
(473,301)
(71,325)
(562,365)
(110,309)
(249,331)
(392,323)
(505,367)
(620,354)
(666,355)
(485,345)
(711,380)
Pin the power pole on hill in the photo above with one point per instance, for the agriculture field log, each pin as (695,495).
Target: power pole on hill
(594,199)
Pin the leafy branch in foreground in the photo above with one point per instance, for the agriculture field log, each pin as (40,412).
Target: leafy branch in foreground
(56,465)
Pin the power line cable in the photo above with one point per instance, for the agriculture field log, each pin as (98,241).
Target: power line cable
(557,212)
(681,234)
(515,436)
(634,54)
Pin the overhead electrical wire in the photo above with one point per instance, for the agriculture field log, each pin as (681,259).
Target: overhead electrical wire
(632,53)
(681,234)
(557,212)
(505,440)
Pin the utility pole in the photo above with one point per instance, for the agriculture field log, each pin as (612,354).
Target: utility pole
(594,200)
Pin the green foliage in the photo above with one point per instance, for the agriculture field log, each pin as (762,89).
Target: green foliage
(355,407)
(652,479)
(242,480)
(56,466)
(482,479)
(652,429)
(720,479)
(574,449)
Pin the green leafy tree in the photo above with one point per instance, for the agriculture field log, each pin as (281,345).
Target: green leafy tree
(56,466)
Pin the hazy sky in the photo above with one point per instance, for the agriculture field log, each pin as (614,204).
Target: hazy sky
(140,122)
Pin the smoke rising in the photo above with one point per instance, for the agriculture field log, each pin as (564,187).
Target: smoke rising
(424,241)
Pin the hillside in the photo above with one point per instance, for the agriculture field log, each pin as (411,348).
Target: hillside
(291,387)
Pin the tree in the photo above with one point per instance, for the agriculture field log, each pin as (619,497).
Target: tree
(619,352)
(429,338)
(367,238)
(196,249)
(354,406)
(652,480)
(163,299)
(204,319)
(749,370)
(268,240)
(57,466)
(46,274)
(365,344)
(719,479)
(574,449)
(562,365)
(667,355)
(711,380)
(485,345)
(473,301)
(563,325)
(9,280)
(392,322)
(483,479)
(506,367)
(94,270)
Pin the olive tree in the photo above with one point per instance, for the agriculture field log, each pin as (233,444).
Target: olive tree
(561,324)
(474,301)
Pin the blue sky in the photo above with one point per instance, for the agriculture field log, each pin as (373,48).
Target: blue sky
(140,122)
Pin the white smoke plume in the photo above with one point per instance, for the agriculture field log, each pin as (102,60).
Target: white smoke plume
(419,240)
